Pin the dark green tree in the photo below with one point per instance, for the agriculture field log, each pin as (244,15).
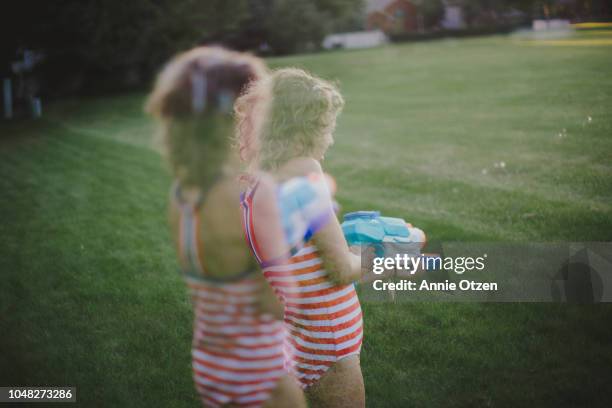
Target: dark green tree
(114,43)
(111,44)
(432,12)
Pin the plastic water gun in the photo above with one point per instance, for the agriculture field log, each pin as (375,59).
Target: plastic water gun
(387,234)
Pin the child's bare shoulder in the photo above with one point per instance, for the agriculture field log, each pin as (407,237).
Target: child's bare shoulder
(262,178)
(302,166)
(266,184)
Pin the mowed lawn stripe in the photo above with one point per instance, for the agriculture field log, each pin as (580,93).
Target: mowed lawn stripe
(92,296)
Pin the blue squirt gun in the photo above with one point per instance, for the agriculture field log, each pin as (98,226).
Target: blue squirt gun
(388,235)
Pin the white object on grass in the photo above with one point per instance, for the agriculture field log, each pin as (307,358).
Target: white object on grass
(8,98)
(36,108)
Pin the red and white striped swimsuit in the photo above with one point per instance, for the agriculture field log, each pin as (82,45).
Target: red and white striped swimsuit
(324,320)
(237,353)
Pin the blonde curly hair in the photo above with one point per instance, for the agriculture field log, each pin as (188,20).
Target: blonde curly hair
(290,113)
(193,102)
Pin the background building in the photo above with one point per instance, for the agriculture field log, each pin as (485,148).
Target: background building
(392,16)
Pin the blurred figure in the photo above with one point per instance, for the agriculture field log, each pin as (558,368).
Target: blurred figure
(238,337)
(285,126)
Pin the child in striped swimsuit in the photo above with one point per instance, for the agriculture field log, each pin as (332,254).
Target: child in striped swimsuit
(237,351)
(324,319)
(322,311)
(238,337)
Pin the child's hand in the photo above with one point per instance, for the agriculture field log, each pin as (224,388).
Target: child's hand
(367,253)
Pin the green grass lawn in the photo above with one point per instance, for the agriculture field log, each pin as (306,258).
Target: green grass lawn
(90,296)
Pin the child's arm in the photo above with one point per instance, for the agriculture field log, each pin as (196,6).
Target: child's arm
(341,264)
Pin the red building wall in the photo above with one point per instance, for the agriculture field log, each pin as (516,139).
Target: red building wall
(399,16)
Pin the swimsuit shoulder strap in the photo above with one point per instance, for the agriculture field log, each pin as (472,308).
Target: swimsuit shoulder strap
(178,196)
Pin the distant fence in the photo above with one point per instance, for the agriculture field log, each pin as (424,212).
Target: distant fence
(462,33)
